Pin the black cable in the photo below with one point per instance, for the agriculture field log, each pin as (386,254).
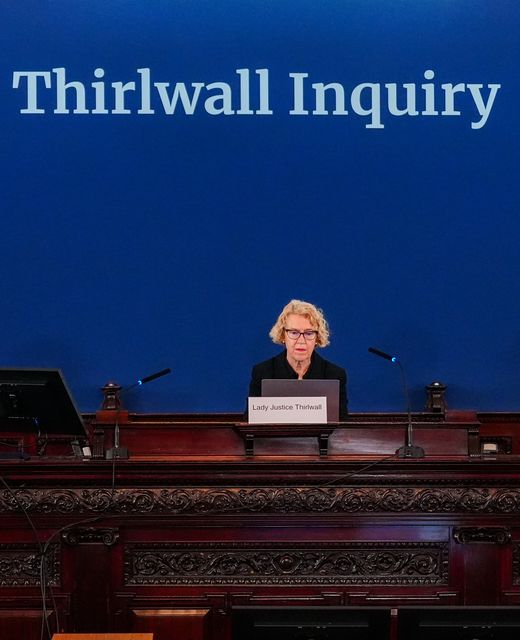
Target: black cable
(358,471)
(3,443)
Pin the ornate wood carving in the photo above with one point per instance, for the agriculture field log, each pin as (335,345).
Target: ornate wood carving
(89,535)
(21,566)
(397,563)
(482,535)
(516,563)
(222,500)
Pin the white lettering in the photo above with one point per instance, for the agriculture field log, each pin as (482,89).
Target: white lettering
(244,93)
(32,88)
(410,109)
(146,108)
(143,96)
(298,96)
(374,108)
(429,95)
(179,91)
(449,98)
(339,92)
(264,93)
(62,87)
(120,89)
(99,90)
(483,109)
(224,97)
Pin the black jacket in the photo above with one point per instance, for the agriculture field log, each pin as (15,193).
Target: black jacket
(319,369)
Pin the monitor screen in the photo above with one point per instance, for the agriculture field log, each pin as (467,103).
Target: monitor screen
(318,623)
(38,400)
(459,623)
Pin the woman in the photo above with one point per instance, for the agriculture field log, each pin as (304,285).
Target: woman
(301,327)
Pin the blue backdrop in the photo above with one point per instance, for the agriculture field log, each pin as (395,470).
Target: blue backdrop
(136,241)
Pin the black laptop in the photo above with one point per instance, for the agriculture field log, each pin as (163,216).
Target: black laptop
(307,388)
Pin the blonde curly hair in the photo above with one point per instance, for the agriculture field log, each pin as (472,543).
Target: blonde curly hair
(307,310)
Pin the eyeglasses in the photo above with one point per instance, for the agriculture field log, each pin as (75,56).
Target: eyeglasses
(294,334)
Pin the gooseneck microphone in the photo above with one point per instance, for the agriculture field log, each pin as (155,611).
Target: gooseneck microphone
(146,379)
(382,354)
(408,450)
(121,453)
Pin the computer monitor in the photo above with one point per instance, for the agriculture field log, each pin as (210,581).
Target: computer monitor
(38,400)
(458,623)
(318,623)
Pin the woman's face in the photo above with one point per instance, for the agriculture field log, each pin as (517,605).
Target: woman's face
(301,348)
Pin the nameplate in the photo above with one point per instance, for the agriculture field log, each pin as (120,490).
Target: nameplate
(288,410)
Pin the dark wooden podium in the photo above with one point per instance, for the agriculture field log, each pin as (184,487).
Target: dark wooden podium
(192,538)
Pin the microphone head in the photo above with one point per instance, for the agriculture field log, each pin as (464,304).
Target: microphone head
(154,376)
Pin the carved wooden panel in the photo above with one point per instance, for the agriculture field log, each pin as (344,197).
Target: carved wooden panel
(516,563)
(90,535)
(482,535)
(21,566)
(221,500)
(393,563)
